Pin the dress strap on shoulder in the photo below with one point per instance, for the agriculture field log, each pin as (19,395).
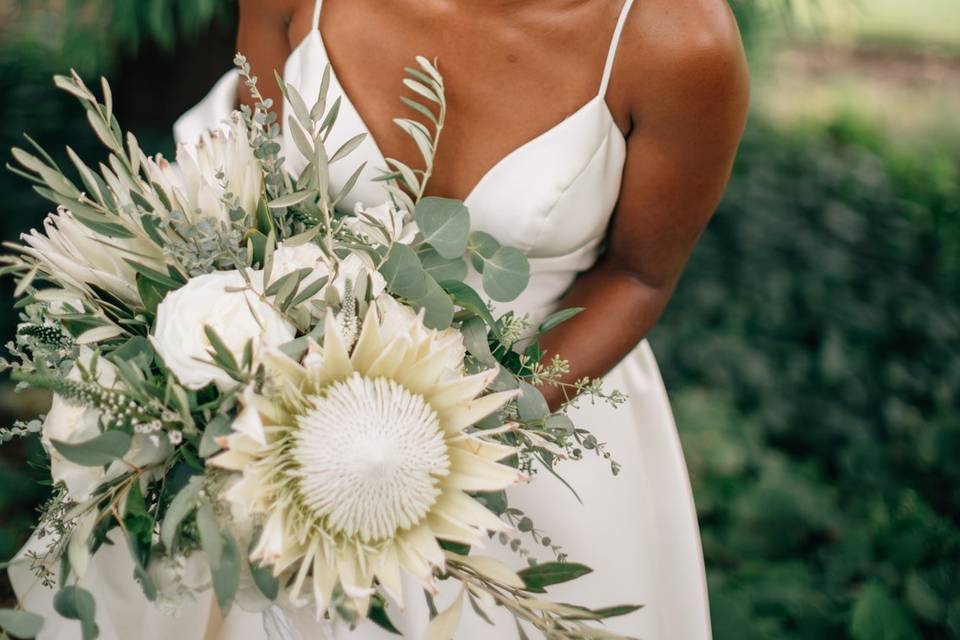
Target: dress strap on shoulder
(316,13)
(614,45)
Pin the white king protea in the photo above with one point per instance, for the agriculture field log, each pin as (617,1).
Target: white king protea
(221,163)
(357,461)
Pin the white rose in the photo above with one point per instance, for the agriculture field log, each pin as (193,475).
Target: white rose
(224,301)
(383,224)
(75,423)
(287,259)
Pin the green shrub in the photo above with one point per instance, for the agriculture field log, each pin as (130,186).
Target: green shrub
(811,352)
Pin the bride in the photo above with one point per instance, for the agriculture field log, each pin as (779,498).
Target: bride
(597,136)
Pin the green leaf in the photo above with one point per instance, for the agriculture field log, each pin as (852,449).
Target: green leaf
(226,576)
(445,225)
(482,246)
(545,574)
(347,147)
(136,351)
(441,268)
(878,616)
(103,227)
(180,507)
(531,404)
(476,341)
(160,278)
(210,538)
(219,426)
(607,612)
(378,615)
(506,274)
(76,603)
(266,582)
(221,353)
(558,318)
(20,624)
(151,294)
(465,297)
(437,305)
(95,452)
(291,199)
(404,273)
(560,422)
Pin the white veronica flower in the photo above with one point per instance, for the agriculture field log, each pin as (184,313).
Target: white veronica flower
(233,308)
(74,423)
(221,162)
(79,257)
(358,460)
(383,224)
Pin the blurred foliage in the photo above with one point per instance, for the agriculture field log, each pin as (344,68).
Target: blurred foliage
(812,356)
(96,34)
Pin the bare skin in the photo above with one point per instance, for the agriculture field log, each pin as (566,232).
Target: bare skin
(515,68)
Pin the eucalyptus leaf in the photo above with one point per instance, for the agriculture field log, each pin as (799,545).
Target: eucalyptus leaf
(445,225)
(475,339)
(20,624)
(210,539)
(437,305)
(506,274)
(404,273)
(226,576)
(531,405)
(482,246)
(76,603)
(441,268)
(180,507)
(219,426)
(465,297)
(96,452)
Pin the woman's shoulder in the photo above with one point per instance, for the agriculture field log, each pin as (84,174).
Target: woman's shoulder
(277,10)
(681,48)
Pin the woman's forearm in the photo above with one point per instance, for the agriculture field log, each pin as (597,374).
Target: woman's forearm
(619,311)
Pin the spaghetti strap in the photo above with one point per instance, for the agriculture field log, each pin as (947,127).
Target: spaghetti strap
(614,45)
(316,14)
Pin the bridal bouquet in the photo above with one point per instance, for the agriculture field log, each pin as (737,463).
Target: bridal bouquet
(265,395)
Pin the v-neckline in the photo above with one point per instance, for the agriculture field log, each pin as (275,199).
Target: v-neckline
(487,175)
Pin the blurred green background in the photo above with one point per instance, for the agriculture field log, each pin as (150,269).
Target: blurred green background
(810,351)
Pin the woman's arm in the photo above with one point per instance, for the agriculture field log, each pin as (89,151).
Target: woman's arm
(263,37)
(683,80)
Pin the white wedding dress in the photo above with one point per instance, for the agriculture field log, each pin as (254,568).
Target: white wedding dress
(552,198)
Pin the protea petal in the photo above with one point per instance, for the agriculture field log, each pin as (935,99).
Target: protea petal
(369,344)
(473,473)
(458,418)
(460,391)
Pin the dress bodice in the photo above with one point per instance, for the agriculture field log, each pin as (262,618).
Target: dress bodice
(552,197)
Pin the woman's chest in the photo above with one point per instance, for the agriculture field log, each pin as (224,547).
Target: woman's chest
(508,79)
